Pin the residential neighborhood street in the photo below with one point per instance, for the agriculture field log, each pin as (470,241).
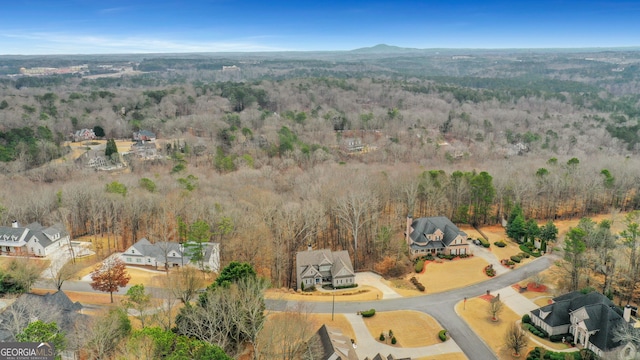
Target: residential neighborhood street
(440,306)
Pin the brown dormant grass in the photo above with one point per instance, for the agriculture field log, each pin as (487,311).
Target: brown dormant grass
(475,313)
(449,356)
(437,277)
(411,328)
(339,321)
(361,293)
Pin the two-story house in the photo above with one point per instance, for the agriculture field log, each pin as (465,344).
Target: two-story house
(323,267)
(590,318)
(435,235)
(33,239)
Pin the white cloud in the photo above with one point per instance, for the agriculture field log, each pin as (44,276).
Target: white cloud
(62,43)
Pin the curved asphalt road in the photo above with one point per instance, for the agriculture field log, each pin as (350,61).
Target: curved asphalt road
(440,306)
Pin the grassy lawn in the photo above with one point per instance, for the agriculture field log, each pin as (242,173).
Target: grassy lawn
(361,293)
(339,322)
(411,328)
(475,313)
(437,277)
(449,356)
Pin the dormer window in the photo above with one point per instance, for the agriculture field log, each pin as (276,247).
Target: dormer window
(133,251)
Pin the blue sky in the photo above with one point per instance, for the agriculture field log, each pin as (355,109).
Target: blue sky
(115,26)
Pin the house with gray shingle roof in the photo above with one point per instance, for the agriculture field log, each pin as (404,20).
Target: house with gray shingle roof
(322,267)
(33,239)
(331,344)
(590,318)
(435,235)
(170,254)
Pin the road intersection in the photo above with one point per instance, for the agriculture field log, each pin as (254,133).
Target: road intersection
(440,305)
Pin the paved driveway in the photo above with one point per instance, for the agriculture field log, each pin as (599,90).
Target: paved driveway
(369,347)
(61,255)
(375,280)
(516,301)
(440,306)
(490,257)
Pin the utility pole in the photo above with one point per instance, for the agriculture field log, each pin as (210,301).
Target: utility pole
(333,306)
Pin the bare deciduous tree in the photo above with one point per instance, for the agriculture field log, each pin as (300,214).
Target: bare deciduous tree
(64,273)
(356,209)
(516,339)
(495,307)
(184,283)
(287,335)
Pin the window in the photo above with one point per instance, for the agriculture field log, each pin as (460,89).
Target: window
(128,259)
(133,251)
(148,260)
(139,260)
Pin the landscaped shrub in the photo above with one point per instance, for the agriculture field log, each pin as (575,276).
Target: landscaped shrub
(382,337)
(393,340)
(536,330)
(526,319)
(463,256)
(345,286)
(417,284)
(442,334)
(500,244)
(559,337)
(419,266)
(531,251)
(552,355)
(484,242)
(489,271)
(368,313)
(516,259)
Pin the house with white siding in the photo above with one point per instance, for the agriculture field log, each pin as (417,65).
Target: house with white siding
(33,239)
(169,254)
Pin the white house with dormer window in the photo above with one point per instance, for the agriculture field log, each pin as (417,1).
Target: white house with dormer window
(33,239)
(168,254)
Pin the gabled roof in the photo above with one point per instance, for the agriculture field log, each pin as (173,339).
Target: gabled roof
(429,225)
(339,260)
(334,344)
(162,251)
(53,302)
(44,235)
(605,320)
(314,257)
(342,267)
(594,309)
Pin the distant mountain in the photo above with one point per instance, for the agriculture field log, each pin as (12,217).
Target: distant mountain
(384,49)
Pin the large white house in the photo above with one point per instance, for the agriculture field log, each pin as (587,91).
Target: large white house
(591,319)
(33,239)
(172,254)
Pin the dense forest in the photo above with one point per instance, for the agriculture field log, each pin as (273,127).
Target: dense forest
(260,150)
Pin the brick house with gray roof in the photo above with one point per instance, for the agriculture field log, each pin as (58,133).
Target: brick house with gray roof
(590,318)
(322,267)
(33,239)
(435,235)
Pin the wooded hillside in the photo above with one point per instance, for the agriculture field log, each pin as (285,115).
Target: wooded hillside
(261,152)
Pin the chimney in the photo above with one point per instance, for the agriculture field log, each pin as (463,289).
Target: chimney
(626,315)
(14,224)
(309,248)
(408,230)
